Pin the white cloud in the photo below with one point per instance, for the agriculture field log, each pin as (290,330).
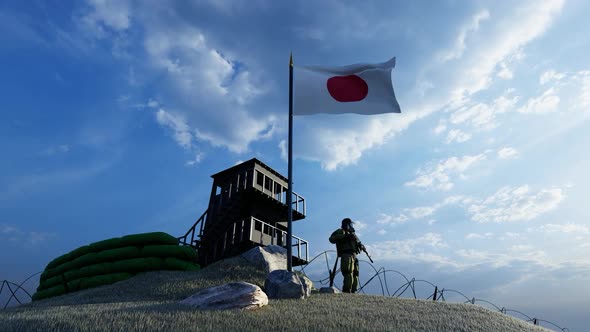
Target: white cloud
(546,102)
(381,232)
(107,14)
(584,83)
(472,236)
(153,103)
(342,140)
(507,39)
(504,72)
(359,225)
(482,115)
(438,177)
(18,236)
(456,135)
(501,259)
(198,158)
(385,219)
(565,228)
(213,88)
(52,150)
(441,127)
(421,212)
(515,204)
(506,153)
(507,204)
(178,124)
(415,249)
(459,48)
(35,238)
(6,229)
(550,75)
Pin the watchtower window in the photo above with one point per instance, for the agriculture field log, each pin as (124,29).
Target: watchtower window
(259,178)
(278,192)
(268,182)
(267,229)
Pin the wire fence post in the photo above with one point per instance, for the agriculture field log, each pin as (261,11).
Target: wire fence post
(434,295)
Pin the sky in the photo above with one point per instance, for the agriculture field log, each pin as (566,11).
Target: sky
(114,114)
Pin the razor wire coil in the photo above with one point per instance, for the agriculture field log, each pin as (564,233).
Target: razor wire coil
(437,295)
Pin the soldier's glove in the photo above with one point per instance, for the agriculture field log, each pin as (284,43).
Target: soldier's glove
(363,248)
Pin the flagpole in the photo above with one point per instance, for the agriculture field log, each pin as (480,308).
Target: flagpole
(290,180)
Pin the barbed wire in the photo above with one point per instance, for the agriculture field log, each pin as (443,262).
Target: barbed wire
(14,292)
(436,295)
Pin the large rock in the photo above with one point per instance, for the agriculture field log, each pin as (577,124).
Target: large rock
(282,284)
(269,258)
(235,295)
(329,290)
(307,284)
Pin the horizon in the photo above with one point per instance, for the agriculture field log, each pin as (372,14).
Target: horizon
(116,113)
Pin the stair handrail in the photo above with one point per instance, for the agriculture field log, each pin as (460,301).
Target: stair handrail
(192,230)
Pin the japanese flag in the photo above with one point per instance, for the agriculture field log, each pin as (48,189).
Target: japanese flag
(358,88)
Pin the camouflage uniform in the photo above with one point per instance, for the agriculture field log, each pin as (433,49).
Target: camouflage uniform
(347,247)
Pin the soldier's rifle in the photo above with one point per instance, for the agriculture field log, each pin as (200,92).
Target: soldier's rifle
(362,246)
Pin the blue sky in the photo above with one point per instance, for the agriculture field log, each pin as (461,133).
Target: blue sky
(115,114)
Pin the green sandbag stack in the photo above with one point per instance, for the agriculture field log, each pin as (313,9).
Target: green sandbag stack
(106,262)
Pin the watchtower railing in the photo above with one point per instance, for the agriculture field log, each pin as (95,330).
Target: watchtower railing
(258,231)
(263,183)
(277,237)
(277,191)
(192,232)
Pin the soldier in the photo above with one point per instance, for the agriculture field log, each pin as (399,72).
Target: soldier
(347,247)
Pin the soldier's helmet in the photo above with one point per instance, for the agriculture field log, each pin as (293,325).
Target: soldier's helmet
(347,223)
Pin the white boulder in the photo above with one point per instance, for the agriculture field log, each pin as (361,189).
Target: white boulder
(269,258)
(329,290)
(235,295)
(282,284)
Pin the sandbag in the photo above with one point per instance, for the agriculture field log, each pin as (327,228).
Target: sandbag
(85,260)
(181,252)
(58,261)
(50,292)
(51,282)
(73,274)
(135,265)
(106,244)
(148,238)
(117,254)
(118,258)
(172,263)
(101,280)
(83,250)
(95,270)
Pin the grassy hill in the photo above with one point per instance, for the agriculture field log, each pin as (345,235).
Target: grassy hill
(149,302)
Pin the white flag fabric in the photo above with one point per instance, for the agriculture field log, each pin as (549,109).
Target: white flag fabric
(358,88)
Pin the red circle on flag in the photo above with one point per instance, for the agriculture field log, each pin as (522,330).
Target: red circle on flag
(347,88)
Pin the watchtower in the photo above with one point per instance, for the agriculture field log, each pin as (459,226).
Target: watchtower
(247,208)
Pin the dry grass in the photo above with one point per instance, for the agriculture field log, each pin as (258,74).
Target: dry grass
(148,302)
